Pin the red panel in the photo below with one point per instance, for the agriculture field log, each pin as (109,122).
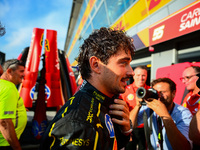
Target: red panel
(183,22)
(53,82)
(32,65)
(174,72)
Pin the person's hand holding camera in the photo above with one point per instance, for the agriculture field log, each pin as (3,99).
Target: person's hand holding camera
(158,107)
(139,101)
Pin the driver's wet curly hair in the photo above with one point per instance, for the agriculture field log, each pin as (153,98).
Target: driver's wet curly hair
(103,44)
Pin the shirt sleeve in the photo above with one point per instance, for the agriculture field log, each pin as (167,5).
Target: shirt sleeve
(71,134)
(8,103)
(183,122)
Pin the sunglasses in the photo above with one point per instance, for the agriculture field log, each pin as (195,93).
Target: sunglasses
(187,78)
(15,62)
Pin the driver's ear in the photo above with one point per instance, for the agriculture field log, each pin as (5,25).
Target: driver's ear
(95,64)
(173,93)
(9,71)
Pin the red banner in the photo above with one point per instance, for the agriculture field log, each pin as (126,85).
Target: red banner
(53,82)
(183,22)
(31,68)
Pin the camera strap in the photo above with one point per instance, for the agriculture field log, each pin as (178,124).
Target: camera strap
(147,129)
(160,135)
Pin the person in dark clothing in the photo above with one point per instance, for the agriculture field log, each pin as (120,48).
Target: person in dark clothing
(93,118)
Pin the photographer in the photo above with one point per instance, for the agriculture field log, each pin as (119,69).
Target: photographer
(166,123)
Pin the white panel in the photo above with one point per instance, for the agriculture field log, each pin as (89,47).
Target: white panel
(132,31)
(143,24)
(178,4)
(162,59)
(158,15)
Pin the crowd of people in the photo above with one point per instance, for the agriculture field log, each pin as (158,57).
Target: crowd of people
(105,113)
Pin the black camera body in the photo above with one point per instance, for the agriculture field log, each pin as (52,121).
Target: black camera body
(145,94)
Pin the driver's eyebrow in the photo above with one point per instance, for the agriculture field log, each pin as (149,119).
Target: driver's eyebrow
(125,59)
(163,91)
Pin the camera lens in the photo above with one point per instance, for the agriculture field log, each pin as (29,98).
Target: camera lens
(140,92)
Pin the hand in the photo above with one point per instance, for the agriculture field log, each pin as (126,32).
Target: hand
(120,109)
(138,101)
(158,107)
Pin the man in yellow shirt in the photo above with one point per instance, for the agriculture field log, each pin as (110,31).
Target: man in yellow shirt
(13,117)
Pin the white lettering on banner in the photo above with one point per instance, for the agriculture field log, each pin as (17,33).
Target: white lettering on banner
(158,33)
(190,19)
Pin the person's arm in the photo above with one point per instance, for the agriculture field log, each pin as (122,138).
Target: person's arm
(134,113)
(8,131)
(194,130)
(176,138)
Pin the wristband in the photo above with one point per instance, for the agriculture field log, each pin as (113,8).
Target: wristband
(130,130)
